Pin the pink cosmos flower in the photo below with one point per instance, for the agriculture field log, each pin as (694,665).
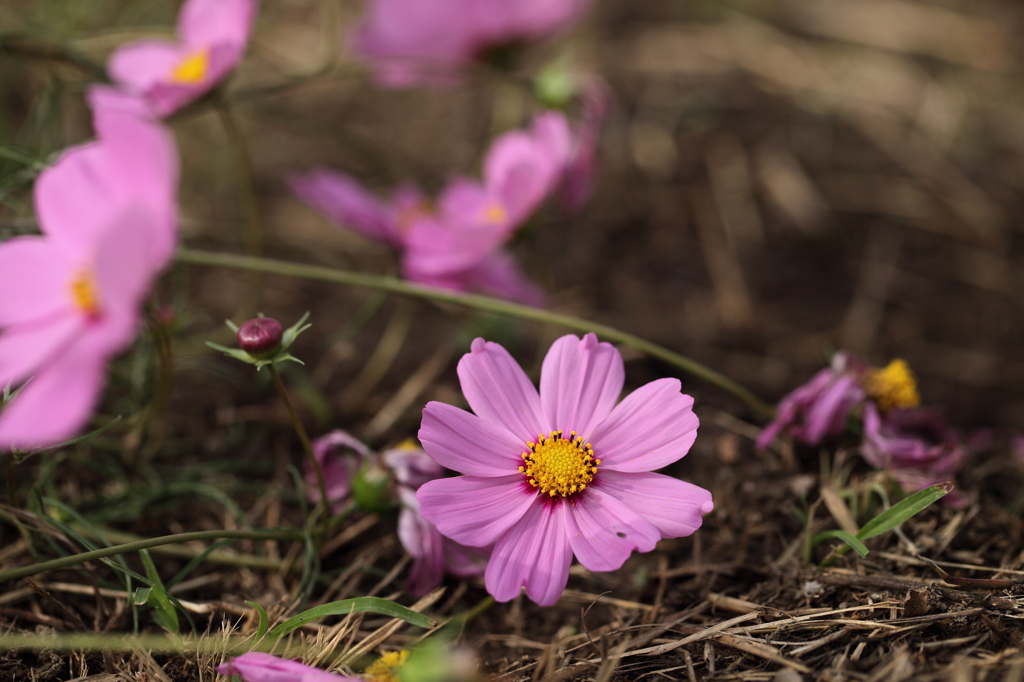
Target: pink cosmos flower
(457,245)
(425,42)
(69,299)
(917,446)
(433,554)
(259,667)
(212,36)
(560,472)
(340,457)
(820,407)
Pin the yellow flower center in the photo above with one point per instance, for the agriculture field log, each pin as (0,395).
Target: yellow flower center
(559,466)
(384,669)
(85,292)
(192,69)
(495,214)
(893,387)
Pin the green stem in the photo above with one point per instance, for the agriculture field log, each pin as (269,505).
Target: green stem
(307,446)
(74,559)
(493,305)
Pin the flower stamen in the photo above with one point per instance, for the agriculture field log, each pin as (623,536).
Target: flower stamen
(85,292)
(192,69)
(559,466)
(495,214)
(893,387)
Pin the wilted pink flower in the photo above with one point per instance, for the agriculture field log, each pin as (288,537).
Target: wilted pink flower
(212,36)
(341,457)
(917,446)
(433,554)
(259,667)
(562,472)
(425,42)
(458,244)
(820,407)
(69,299)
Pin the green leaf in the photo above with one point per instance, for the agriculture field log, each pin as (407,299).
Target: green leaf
(903,510)
(357,605)
(142,595)
(843,535)
(163,610)
(264,620)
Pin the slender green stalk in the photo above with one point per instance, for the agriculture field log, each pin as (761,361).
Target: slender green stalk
(125,643)
(105,552)
(478,302)
(307,446)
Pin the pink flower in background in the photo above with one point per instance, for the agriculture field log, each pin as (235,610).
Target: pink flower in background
(212,37)
(70,298)
(458,244)
(820,407)
(256,666)
(425,42)
(560,472)
(341,457)
(433,554)
(581,166)
(917,446)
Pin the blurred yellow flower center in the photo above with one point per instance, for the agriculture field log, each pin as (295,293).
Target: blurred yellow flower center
(495,214)
(384,669)
(559,466)
(85,292)
(893,387)
(192,69)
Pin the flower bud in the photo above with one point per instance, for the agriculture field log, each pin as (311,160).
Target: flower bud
(260,337)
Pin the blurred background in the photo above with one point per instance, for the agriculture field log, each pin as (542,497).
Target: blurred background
(778,179)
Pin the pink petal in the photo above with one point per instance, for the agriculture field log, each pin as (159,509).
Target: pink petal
(140,65)
(499,275)
(580,381)
(125,264)
(76,197)
(424,544)
(204,23)
(534,554)
(518,173)
(344,202)
(651,428)
(603,531)
(33,280)
(256,666)
(674,507)
(55,405)
(827,414)
(26,347)
(475,511)
(498,391)
(468,444)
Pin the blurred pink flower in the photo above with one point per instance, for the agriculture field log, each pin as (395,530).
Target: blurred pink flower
(581,166)
(426,42)
(560,472)
(69,299)
(341,457)
(433,554)
(820,407)
(212,37)
(917,446)
(458,244)
(259,667)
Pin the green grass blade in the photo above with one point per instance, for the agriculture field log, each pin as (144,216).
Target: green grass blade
(347,606)
(843,535)
(264,619)
(902,510)
(163,610)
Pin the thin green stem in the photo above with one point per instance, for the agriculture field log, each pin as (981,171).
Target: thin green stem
(478,302)
(105,552)
(307,446)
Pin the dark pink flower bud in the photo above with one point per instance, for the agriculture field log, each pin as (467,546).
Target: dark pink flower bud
(260,337)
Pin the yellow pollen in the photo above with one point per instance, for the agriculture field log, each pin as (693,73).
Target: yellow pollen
(559,466)
(192,69)
(85,292)
(385,668)
(893,387)
(495,214)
